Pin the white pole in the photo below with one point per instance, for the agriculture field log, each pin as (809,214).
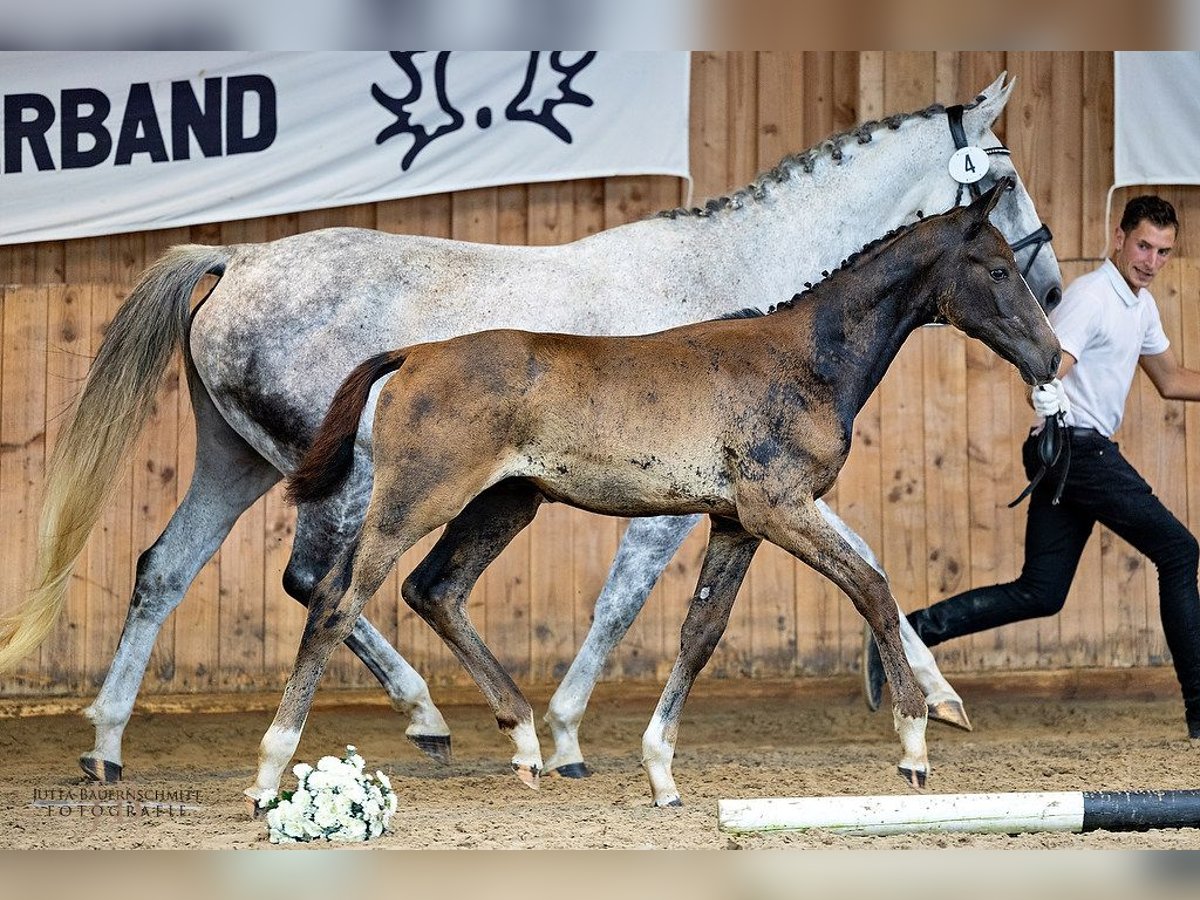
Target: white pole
(1008,813)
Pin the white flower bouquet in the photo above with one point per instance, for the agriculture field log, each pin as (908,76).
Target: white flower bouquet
(336,801)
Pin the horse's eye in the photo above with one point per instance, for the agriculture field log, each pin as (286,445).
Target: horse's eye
(999,274)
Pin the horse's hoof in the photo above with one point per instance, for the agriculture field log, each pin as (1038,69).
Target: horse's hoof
(435,746)
(572,770)
(670,803)
(100,769)
(528,775)
(950,712)
(914,777)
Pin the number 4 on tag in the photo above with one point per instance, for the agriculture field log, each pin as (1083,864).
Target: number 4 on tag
(969,164)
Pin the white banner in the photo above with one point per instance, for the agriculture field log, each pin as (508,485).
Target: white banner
(102,143)
(1156,117)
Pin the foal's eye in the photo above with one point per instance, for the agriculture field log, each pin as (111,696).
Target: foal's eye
(999,274)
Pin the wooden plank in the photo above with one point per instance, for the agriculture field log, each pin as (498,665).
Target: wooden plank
(506,581)
(778,610)
(155,474)
(908,81)
(551,607)
(1096,166)
(67,360)
(197,618)
(1065,135)
(18,264)
(242,574)
(22,453)
(594,539)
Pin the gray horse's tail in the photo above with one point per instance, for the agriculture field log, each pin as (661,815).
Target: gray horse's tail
(100,433)
(327,462)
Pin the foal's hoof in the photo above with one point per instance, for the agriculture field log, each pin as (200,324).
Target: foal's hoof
(435,746)
(950,712)
(100,769)
(914,777)
(528,775)
(572,770)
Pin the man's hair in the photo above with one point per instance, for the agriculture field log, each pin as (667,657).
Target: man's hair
(1155,210)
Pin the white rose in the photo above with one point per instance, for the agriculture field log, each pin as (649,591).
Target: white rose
(328,764)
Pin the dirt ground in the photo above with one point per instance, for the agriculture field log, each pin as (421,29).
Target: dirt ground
(760,740)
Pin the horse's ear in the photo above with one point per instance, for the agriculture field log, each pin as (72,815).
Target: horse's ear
(991,101)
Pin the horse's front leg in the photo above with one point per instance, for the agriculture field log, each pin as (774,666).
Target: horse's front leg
(646,547)
(729,552)
(945,705)
(804,532)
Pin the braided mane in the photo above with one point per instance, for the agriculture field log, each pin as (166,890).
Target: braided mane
(805,161)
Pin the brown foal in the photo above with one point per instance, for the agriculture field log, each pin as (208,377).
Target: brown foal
(748,420)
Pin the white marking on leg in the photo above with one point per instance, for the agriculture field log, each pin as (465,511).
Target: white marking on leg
(912,738)
(658,752)
(274,753)
(529,750)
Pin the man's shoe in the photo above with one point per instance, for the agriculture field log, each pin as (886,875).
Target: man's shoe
(872,670)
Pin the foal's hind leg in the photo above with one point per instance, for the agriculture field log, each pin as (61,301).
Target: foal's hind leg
(322,530)
(228,477)
(806,534)
(438,589)
(646,548)
(730,550)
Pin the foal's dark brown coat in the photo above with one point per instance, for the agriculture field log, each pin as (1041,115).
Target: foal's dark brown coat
(748,420)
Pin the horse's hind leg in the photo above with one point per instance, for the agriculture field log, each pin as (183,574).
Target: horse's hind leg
(228,477)
(805,533)
(730,550)
(646,548)
(438,589)
(322,530)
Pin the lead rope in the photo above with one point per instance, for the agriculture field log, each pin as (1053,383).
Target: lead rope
(1053,441)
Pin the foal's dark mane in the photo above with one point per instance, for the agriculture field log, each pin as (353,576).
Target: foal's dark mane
(805,161)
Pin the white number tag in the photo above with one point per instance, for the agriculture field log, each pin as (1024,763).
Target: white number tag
(969,164)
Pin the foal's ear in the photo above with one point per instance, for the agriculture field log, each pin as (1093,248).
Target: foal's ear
(982,208)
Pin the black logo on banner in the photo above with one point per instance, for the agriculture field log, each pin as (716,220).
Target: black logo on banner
(533,101)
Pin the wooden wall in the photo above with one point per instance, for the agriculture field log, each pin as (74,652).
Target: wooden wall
(935,457)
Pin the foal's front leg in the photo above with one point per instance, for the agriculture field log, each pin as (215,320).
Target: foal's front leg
(806,534)
(729,552)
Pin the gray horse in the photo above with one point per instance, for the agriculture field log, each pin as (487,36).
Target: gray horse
(289,319)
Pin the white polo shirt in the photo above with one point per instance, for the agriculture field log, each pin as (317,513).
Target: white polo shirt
(1106,327)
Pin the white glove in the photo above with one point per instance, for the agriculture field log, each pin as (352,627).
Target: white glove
(1050,399)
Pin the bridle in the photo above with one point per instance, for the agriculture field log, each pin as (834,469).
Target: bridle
(1036,239)
(1054,440)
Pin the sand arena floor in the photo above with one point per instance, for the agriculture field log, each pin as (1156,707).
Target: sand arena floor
(738,740)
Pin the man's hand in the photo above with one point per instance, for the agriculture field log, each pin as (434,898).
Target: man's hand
(1050,399)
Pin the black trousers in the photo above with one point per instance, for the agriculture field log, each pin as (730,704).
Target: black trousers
(1101,487)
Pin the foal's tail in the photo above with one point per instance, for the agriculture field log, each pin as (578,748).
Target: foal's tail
(101,431)
(327,462)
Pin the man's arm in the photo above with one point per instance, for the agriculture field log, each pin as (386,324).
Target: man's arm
(1170,379)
